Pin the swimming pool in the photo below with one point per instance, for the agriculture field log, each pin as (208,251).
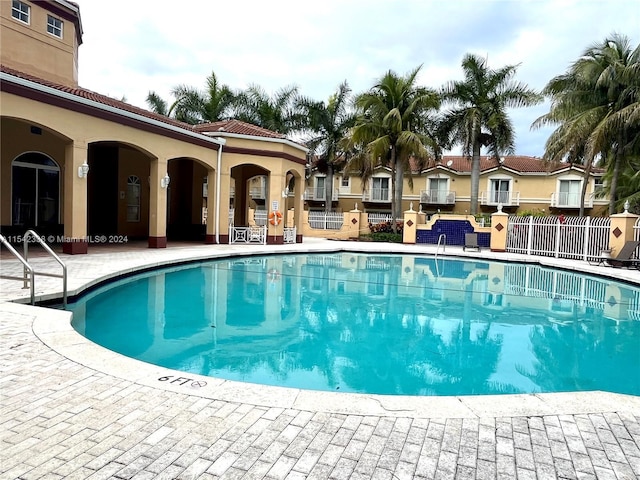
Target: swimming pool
(388,324)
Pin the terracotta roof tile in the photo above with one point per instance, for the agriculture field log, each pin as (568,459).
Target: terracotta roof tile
(237,127)
(97,97)
(517,163)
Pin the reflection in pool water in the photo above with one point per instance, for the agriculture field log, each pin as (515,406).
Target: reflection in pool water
(394,324)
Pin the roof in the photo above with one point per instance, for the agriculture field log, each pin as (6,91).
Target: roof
(237,127)
(516,163)
(227,126)
(96,97)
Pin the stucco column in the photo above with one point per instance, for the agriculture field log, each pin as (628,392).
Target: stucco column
(298,207)
(75,199)
(499,229)
(275,233)
(157,205)
(621,231)
(353,222)
(410,229)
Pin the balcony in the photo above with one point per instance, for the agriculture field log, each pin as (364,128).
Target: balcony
(437,197)
(507,199)
(377,195)
(319,194)
(570,200)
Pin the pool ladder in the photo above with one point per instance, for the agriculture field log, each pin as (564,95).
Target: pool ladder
(442,240)
(29,273)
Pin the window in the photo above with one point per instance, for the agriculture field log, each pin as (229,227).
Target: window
(598,186)
(54,26)
(20,11)
(438,188)
(380,190)
(133,199)
(345,182)
(320,189)
(500,191)
(569,193)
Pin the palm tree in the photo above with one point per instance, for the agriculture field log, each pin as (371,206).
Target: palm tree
(194,106)
(278,113)
(394,126)
(596,106)
(478,114)
(329,126)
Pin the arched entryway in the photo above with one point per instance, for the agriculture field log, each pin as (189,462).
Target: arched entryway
(187,199)
(35,192)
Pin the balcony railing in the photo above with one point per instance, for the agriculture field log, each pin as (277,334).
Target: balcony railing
(505,198)
(319,194)
(570,200)
(257,193)
(381,195)
(437,197)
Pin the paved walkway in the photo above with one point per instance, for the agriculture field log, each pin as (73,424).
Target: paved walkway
(70,409)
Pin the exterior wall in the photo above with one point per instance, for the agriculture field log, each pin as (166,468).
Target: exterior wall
(534,189)
(31,49)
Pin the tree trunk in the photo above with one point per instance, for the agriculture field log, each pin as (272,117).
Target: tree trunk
(475,177)
(394,171)
(398,181)
(328,189)
(585,182)
(614,178)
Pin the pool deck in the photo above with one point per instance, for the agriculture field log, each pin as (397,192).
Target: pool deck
(72,409)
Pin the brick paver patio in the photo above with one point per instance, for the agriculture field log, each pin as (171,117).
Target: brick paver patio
(61,418)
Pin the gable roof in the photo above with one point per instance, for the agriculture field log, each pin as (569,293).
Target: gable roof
(520,164)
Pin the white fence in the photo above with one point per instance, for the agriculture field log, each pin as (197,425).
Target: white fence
(326,221)
(248,235)
(581,238)
(376,218)
(260,217)
(636,230)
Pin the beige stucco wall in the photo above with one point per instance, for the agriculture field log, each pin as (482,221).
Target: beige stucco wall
(31,49)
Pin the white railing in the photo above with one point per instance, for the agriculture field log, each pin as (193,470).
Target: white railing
(582,238)
(232,214)
(505,198)
(326,220)
(376,218)
(248,235)
(438,197)
(636,230)
(260,217)
(319,194)
(257,192)
(382,195)
(570,200)
(289,235)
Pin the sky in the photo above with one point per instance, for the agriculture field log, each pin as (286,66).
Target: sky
(131,47)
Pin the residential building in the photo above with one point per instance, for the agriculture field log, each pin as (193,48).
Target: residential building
(80,167)
(517,183)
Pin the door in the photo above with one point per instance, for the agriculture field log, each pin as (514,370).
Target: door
(35,186)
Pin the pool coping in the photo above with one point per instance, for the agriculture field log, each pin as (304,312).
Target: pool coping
(53,328)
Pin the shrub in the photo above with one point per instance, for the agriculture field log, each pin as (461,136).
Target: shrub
(386,227)
(383,237)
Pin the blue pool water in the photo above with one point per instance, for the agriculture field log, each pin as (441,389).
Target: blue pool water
(384,324)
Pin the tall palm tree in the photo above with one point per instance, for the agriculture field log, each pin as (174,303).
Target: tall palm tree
(394,126)
(478,116)
(596,106)
(329,126)
(194,106)
(278,112)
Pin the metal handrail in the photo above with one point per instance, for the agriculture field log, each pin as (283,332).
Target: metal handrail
(32,234)
(441,239)
(27,268)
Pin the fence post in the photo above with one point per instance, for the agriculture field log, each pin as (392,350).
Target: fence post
(352,220)
(530,235)
(587,231)
(557,249)
(410,227)
(621,230)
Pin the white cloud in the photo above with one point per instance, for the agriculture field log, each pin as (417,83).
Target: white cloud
(132,47)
